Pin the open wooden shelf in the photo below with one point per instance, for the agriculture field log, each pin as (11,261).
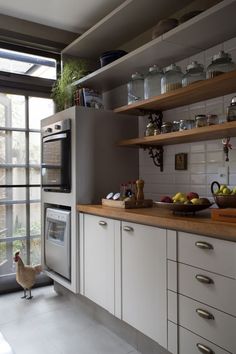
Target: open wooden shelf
(213,26)
(202,90)
(227,129)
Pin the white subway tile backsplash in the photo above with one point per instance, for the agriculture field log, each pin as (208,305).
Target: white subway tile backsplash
(197,158)
(181,178)
(197,147)
(213,167)
(214,145)
(232,180)
(197,168)
(198,179)
(200,189)
(216,156)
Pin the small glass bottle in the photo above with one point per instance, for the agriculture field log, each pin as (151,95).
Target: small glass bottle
(186,124)
(172,78)
(231,110)
(194,72)
(221,63)
(201,120)
(135,88)
(167,127)
(152,82)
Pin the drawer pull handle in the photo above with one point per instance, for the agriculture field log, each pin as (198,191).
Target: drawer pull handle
(204,245)
(102,223)
(203,349)
(204,279)
(128,228)
(205,314)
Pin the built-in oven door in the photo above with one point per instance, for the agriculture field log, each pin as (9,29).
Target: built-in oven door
(57,241)
(56,162)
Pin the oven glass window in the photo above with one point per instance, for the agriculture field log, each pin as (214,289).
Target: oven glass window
(56,230)
(52,153)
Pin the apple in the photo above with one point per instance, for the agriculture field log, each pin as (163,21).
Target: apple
(166,199)
(192,195)
(204,201)
(226,191)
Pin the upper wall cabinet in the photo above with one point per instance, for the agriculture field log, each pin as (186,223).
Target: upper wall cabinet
(213,26)
(126,22)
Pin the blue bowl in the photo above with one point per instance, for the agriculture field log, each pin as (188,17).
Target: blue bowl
(109,57)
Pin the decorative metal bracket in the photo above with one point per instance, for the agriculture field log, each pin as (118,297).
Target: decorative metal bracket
(156,154)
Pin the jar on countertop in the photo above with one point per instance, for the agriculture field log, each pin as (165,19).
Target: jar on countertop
(194,72)
(201,120)
(221,63)
(231,110)
(135,88)
(172,78)
(152,82)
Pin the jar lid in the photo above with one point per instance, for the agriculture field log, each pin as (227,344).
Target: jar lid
(173,67)
(200,116)
(221,55)
(136,76)
(233,101)
(155,68)
(195,65)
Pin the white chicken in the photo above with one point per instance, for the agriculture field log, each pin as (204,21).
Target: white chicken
(26,275)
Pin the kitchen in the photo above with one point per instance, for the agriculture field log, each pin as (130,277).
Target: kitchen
(130,273)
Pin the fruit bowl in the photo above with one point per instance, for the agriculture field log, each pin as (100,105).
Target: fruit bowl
(223,201)
(183,208)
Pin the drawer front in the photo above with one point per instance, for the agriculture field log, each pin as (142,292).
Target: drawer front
(211,254)
(211,289)
(190,343)
(220,329)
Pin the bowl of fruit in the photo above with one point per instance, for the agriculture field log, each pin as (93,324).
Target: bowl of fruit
(184,203)
(223,195)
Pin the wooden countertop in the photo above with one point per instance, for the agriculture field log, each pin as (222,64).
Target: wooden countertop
(201,223)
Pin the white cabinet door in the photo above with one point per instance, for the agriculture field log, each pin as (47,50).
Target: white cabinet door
(99,260)
(144,294)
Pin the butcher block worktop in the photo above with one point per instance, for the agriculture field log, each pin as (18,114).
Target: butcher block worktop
(200,223)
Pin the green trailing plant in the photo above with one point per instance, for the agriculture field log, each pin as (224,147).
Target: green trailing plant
(62,91)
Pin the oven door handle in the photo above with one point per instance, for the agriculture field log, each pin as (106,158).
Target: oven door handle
(54,137)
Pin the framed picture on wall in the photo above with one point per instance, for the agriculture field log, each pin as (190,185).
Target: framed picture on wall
(181,161)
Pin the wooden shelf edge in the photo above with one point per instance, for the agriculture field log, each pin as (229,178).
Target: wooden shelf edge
(227,129)
(202,90)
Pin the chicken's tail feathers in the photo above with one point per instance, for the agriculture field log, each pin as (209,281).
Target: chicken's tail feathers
(38,268)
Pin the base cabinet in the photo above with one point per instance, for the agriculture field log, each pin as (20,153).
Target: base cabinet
(144,297)
(99,260)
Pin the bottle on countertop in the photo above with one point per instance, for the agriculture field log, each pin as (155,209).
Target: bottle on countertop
(139,193)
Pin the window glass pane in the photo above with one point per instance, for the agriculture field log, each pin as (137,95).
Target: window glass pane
(27,64)
(18,219)
(20,245)
(8,194)
(12,111)
(2,221)
(12,176)
(35,220)
(2,176)
(17,154)
(7,252)
(19,176)
(34,148)
(35,176)
(35,193)
(39,108)
(2,146)
(35,251)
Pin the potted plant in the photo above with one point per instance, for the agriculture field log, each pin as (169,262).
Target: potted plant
(62,91)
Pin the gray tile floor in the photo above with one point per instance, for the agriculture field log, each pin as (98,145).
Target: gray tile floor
(51,324)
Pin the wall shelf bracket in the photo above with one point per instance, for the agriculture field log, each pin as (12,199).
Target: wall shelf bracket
(155,153)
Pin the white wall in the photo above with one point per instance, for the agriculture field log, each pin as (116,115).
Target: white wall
(204,158)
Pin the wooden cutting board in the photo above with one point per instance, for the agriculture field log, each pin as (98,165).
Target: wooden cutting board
(227,215)
(132,204)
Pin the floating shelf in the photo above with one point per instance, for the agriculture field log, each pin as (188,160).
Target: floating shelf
(213,26)
(202,90)
(227,129)
(121,25)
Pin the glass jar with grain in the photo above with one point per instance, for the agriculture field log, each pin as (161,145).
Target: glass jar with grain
(221,63)
(194,72)
(172,78)
(201,120)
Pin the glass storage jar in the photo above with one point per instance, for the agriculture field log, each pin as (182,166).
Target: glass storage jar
(167,127)
(231,110)
(150,129)
(152,82)
(172,78)
(135,88)
(186,124)
(212,119)
(201,120)
(221,63)
(194,72)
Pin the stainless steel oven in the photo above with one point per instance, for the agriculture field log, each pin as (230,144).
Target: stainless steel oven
(56,157)
(57,241)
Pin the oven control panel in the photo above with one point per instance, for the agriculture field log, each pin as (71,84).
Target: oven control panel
(58,214)
(57,127)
